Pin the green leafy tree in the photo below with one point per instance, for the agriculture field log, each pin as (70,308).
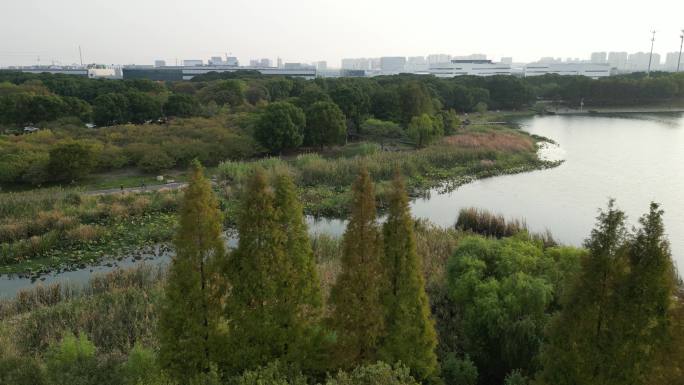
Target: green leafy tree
(280,127)
(410,336)
(325,125)
(381,131)
(377,373)
(275,373)
(110,109)
(353,101)
(415,101)
(310,95)
(143,107)
(423,130)
(459,371)
(188,320)
(450,121)
(357,314)
(78,108)
(504,292)
(43,108)
(223,92)
(71,161)
(182,106)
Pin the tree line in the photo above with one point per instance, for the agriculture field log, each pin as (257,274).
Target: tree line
(606,315)
(263,302)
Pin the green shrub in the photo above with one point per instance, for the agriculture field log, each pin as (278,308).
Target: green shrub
(375,374)
(140,367)
(275,373)
(72,361)
(459,371)
(21,371)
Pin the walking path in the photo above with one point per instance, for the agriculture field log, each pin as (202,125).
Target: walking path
(156,187)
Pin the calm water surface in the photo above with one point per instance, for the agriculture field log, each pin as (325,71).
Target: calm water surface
(633,158)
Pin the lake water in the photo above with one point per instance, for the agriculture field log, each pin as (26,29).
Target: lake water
(634,158)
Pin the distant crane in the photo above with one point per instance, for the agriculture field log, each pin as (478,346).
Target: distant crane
(80,55)
(650,57)
(681,38)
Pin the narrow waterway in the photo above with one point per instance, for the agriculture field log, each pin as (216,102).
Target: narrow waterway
(634,158)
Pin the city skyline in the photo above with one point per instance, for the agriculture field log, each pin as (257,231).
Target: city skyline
(133,32)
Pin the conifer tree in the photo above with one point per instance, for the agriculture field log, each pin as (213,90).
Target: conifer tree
(582,339)
(188,317)
(301,289)
(357,315)
(646,300)
(410,333)
(275,295)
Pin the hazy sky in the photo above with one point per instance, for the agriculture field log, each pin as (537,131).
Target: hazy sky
(139,31)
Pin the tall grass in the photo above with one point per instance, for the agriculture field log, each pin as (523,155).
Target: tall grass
(315,170)
(142,277)
(488,224)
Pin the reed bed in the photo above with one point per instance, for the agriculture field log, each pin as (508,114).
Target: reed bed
(315,170)
(142,277)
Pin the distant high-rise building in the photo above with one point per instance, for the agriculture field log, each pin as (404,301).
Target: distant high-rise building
(416,64)
(254,63)
(356,64)
(216,61)
(549,59)
(280,63)
(618,60)
(507,60)
(599,57)
(638,61)
(392,64)
(671,61)
(232,61)
(192,62)
(438,58)
(160,63)
(321,65)
(266,62)
(475,56)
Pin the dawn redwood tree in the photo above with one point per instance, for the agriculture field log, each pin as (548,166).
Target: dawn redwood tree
(275,300)
(410,336)
(357,314)
(301,288)
(188,320)
(646,300)
(583,338)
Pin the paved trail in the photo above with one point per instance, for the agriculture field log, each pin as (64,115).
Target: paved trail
(156,187)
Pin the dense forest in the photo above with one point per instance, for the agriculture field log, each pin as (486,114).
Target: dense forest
(155,127)
(398,302)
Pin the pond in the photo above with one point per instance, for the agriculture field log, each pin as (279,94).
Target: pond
(634,158)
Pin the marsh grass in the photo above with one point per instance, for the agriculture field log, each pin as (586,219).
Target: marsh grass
(49,221)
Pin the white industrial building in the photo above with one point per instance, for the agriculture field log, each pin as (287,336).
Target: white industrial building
(93,72)
(592,70)
(458,67)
